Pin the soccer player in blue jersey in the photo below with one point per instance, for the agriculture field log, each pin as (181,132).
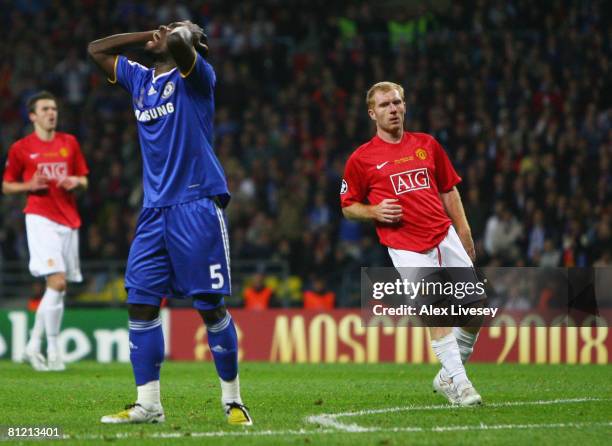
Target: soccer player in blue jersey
(181,244)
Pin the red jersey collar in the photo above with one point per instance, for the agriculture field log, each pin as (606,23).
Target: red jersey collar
(41,141)
(378,140)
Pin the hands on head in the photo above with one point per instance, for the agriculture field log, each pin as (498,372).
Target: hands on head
(200,39)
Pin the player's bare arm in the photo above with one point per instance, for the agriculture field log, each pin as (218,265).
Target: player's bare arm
(454,208)
(104,51)
(37,183)
(71,183)
(387,211)
(184,39)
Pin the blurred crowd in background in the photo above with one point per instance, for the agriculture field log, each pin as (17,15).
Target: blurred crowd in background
(519,93)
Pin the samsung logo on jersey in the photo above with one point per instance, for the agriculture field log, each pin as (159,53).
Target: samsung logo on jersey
(154,113)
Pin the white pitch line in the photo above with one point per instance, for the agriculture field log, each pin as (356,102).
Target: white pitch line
(331,425)
(330,420)
(455,407)
(280,433)
(244,433)
(485,427)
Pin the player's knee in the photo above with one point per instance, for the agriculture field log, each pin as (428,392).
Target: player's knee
(439,332)
(213,316)
(470,323)
(143,312)
(57,282)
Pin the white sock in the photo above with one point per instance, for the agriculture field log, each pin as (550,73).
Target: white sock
(230,391)
(148,395)
(52,307)
(465,341)
(447,351)
(35,342)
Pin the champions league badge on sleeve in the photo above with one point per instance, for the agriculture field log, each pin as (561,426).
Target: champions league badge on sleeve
(343,188)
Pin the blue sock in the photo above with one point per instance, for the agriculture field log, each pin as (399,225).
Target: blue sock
(146,349)
(223,343)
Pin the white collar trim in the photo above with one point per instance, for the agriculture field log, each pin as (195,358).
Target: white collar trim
(162,75)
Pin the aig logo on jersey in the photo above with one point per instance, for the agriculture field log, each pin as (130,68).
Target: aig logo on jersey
(168,90)
(410,180)
(55,171)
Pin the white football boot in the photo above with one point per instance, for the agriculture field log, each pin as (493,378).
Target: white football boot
(36,360)
(136,414)
(445,388)
(55,364)
(468,396)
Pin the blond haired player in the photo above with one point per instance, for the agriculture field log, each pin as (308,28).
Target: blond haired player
(409,183)
(48,166)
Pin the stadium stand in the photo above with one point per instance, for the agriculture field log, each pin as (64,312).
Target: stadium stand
(519,94)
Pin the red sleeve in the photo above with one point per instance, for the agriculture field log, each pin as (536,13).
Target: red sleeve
(13,170)
(446,176)
(354,188)
(80,165)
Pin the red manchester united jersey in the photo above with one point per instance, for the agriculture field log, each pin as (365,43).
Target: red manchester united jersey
(56,160)
(414,171)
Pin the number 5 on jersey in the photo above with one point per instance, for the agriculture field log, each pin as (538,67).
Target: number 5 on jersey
(216,276)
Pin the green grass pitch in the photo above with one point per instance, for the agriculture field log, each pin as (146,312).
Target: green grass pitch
(339,404)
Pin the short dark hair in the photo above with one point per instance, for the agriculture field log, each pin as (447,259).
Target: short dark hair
(32,100)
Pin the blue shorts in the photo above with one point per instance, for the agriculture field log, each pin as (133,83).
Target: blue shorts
(180,251)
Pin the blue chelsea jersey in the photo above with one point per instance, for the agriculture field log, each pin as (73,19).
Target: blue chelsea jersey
(175,114)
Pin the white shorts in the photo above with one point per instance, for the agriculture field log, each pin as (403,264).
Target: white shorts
(54,248)
(449,253)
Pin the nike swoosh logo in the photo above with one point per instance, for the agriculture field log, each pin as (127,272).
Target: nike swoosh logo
(380,166)
(34,155)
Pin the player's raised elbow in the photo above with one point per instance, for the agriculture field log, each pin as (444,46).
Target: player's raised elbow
(93,49)
(95,52)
